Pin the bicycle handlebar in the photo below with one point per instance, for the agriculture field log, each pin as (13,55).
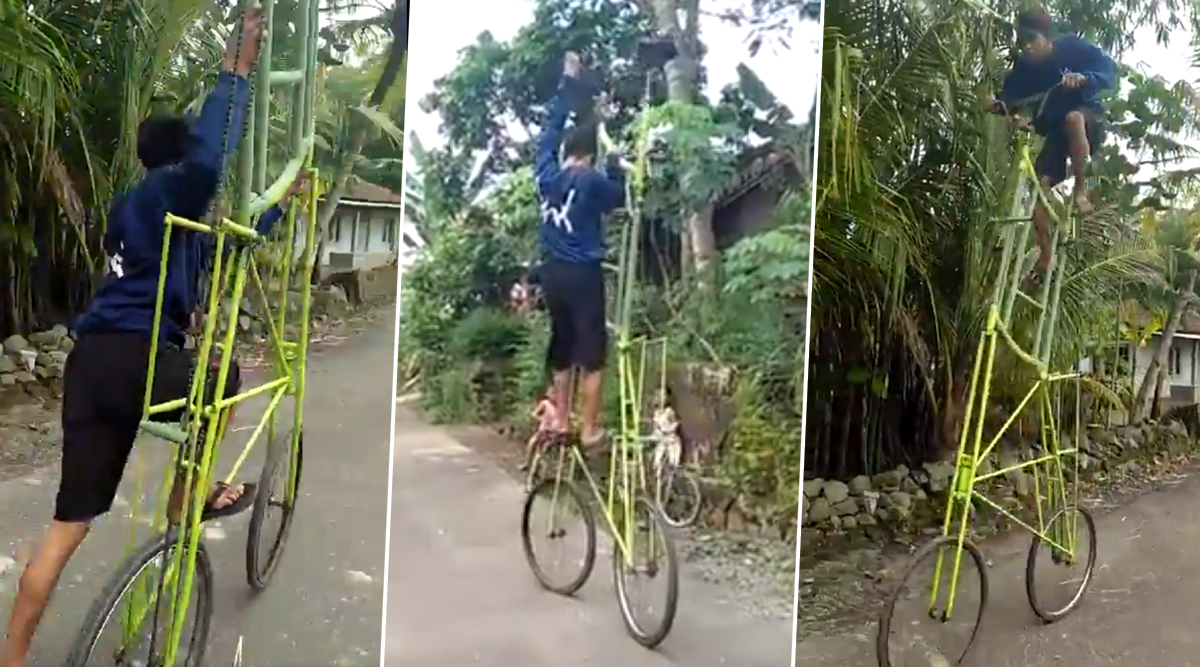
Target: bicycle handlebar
(1003,109)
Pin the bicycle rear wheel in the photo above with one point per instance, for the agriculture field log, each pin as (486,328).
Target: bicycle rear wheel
(1066,519)
(567,502)
(84,652)
(678,496)
(272,493)
(651,554)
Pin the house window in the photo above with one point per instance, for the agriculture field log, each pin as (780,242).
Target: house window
(1175,361)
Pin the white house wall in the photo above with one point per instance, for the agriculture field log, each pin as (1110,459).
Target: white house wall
(1184,385)
(364,232)
(1185,348)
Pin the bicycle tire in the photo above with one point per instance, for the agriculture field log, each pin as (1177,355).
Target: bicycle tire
(666,489)
(534,463)
(104,607)
(649,639)
(930,549)
(258,580)
(1031,565)
(589,521)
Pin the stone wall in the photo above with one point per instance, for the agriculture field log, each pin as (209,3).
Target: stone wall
(35,363)
(909,501)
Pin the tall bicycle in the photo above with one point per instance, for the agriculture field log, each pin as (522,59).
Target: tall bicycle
(642,543)
(1058,515)
(150,595)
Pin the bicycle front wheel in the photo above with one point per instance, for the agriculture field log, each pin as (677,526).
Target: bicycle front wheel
(645,553)
(567,506)
(938,643)
(142,573)
(264,547)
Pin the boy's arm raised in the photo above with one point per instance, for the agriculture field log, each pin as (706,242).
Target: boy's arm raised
(216,132)
(546,166)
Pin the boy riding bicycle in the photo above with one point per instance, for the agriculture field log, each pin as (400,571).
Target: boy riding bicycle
(104,381)
(1064,77)
(575,197)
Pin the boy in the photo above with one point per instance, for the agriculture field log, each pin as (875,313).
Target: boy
(104,380)
(575,198)
(1071,73)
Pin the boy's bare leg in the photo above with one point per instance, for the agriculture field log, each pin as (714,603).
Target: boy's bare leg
(562,397)
(227,497)
(37,583)
(592,388)
(1080,149)
(1041,228)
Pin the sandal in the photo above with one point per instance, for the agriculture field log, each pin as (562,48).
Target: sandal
(241,504)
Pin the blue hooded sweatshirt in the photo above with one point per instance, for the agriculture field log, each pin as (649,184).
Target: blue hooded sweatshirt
(1031,77)
(133,240)
(576,199)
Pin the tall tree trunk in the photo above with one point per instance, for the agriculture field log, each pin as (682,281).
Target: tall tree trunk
(387,78)
(1155,373)
(683,77)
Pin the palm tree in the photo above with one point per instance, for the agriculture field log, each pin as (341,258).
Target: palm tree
(68,117)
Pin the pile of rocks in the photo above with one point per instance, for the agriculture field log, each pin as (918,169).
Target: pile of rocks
(35,361)
(893,497)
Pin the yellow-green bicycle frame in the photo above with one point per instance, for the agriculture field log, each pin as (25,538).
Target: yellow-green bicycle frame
(972,450)
(230,270)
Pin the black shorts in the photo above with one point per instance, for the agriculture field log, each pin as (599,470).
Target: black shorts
(104,384)
(1051,163)
(574,297)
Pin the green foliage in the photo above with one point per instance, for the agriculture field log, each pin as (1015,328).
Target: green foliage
(486,334)
(693,161)
(773,266)
(498,85)
(452,396)
(764,453)
(470,267)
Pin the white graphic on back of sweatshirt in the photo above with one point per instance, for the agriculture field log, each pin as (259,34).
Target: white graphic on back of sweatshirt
(116,264)
(559,216)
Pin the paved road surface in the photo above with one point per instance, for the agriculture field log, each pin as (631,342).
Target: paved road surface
(460,593)
(324,606)
(1141,609)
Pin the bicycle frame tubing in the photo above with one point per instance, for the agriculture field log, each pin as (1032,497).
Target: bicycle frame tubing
(615,497)
(289,356)
(971,449)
